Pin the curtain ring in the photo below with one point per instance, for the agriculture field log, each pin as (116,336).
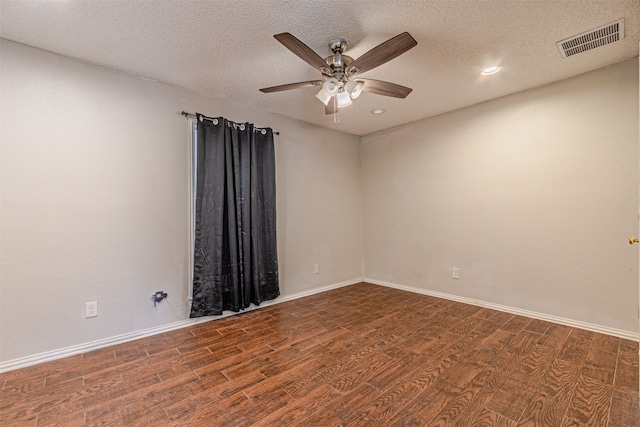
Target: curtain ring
(215,121)
(241,127)
(263,131)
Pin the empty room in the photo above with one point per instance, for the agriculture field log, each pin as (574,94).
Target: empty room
(319,213)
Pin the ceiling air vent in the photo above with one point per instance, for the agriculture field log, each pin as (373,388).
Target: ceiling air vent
(592,39)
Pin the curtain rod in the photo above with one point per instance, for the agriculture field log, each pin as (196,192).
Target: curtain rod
(193,116)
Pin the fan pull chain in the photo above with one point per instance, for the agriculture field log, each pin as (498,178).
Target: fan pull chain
(336,119)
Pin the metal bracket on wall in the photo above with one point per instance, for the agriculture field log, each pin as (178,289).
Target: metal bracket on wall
(157,297)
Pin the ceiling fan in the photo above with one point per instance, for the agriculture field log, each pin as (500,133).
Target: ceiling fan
(340,84)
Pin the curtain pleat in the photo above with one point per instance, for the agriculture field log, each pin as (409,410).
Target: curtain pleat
(235,256)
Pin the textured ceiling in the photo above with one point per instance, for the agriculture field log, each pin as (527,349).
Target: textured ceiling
(226,49)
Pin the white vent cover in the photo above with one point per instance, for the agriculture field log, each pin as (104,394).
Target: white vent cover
(592,39)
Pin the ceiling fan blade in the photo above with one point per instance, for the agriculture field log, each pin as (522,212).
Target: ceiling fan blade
(383,53)
(291,86)
(384,88)
(301,50)
(331,107)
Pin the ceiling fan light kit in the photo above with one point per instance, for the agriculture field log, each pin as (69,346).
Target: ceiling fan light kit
(331,86)
(353,88)
(344,100)
(323,97)
(339,84)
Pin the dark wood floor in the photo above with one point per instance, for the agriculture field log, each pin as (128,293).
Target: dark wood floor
(361,355)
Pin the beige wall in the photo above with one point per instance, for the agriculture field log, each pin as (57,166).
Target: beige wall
(94,201)
(532,196)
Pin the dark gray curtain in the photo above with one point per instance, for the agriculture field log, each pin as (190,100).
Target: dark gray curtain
(235,258)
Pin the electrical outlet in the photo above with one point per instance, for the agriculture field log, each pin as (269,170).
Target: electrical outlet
(91,309)
(316,268)
(455,273)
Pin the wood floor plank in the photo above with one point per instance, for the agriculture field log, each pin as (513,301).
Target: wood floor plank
(516,324)
(591,402)
(607,343)
(490,380)
(538,360)
(73,419)
(555,336)
(485,313)
(261,360)
(220,411)
(462,373)
(31,404)
(406,364)
(626,376)
(575,350)
(468,311)
(561,380)
(538,326)
(623,413)
(494,323)
(384,406)
(292,359)
(108,372)
(465,326)
(543,410)
(454,408)
(102,416)
(601,365)
(489,418)
(80,400)
(229,358)
(523,342)
(22,387)
(338,365)
(189,399)
(426,405)
(360,355)
(149,400)
(40,371)
(299,409)
(570,422)
(284,380)
(144,414)
(628,352)
(339,409)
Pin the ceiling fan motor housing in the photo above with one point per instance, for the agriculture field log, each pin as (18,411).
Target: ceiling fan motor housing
(338,64)
(338,45)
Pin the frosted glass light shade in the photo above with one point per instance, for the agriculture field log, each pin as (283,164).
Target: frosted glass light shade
(353,88)
(343,99)
(323,97)
(330,86)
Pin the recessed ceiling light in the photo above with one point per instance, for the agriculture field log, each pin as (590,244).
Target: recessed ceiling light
(490,70)
(378,111)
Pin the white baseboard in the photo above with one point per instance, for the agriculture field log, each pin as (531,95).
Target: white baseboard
(119,339)
(48,356)
(554,319)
